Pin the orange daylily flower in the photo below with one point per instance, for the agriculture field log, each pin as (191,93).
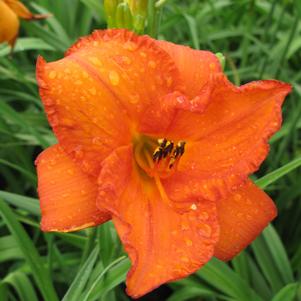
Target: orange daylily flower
(10,12)
(153,136)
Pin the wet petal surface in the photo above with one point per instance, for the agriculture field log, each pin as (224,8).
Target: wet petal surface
(67,195)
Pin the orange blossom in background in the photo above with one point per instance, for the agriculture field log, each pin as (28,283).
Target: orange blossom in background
(10,12)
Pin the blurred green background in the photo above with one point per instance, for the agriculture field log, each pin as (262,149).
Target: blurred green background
(260,39)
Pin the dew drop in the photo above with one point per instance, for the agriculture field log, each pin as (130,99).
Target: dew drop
(212,66)
(203,216)
(152,64)
(78,153)
(180,99)
(249,217)
(193,207)
(92,91)
(101,193)
(188,242)
(184,227)
(97,141)
(67,122)
(70,171)
(52,75)
(168,81)
(126,60)
(95,61)
(48,101)
(134,98)
(185,259)
(205,230)
(130,46)
(114,78)
(237,197)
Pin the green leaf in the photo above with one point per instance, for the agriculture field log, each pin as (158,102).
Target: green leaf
(278,173)
(114,277)
(9,249)
(220,276)
(31,255)
(75,290)
(90,289)
(278,253)
(25,44)
(267,264)
(287,293)
(21,283)
(193,30)
(187,293)
(23,202)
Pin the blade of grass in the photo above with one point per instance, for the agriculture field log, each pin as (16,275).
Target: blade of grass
(272,177)
(39,272)
(287,293)
(75,290)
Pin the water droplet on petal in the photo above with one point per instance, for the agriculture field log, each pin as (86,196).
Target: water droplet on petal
(127,60)
(185,259)
(97,141)
(134,98)
(152,64)
(184,227)
(52,75)
(92,91)
(203,216)
(193,207)
(237,197)
(188,242)
(70,171)
(205,230)
(95,61)
(114,78)
(130,46)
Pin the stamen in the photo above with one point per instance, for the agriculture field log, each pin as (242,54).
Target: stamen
(167,151)
(163,161)
(162,191)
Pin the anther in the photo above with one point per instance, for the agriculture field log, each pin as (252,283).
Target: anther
(168,150)
(158,154)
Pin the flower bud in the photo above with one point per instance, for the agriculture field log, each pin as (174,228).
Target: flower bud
(123,16)
(110,7)
(221,59)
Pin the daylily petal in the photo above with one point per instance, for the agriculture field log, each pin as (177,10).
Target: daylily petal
(231,140)
(83,113)
(196,66)
(96,96)
(242,217)
(22,11)
(162,244)
(197,69)
(9,24)
(135,68)
(67,195)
